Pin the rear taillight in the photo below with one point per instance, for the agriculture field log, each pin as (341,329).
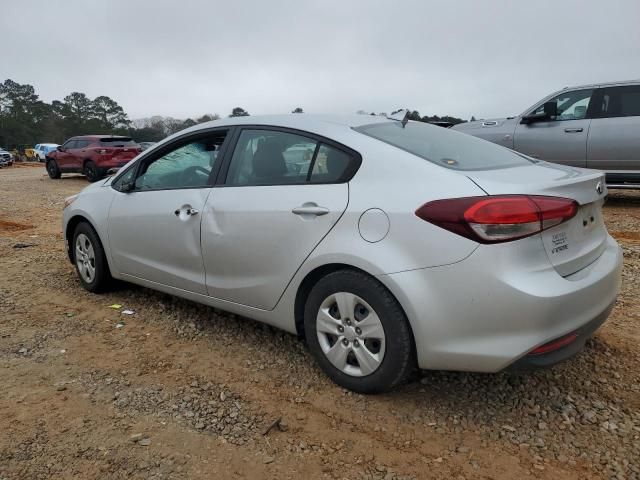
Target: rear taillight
(499,218)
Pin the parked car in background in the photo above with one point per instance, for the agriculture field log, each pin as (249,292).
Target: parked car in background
(145,145)
(593,126)
(91,155)
(42,149)
(387,245)
(6,158)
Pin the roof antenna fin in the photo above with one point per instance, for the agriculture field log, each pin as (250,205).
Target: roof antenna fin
(401,116)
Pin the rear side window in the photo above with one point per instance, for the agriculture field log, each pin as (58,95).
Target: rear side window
(620,102)
(444,147)
(118,142)
(330,165)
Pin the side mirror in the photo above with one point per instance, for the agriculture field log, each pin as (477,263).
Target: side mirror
(550,109)
(60,148)
(126,187)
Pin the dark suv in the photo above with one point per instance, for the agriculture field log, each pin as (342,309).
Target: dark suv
(92,155)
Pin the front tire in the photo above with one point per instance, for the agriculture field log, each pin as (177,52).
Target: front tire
(91,171)
(90,260)
(52,169)
(358,333)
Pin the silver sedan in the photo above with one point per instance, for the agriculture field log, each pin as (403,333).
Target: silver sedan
(388,245)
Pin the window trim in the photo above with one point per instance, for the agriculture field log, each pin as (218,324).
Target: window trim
(221,181)
(590,109)
(154,153)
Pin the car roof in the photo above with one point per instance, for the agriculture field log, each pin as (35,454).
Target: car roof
(302,121)
(605,84)
(90,137)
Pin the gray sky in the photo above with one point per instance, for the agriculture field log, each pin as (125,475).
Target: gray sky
(185,58)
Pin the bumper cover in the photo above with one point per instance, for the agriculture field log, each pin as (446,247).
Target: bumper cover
(493,308)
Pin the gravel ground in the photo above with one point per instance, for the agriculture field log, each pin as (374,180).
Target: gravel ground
(179,390)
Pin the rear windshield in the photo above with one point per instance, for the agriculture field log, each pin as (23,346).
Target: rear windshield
(444,147)
(118,142)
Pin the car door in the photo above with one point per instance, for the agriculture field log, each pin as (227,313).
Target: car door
(155,217)
(278,202)
(77,155)
(65,155)
(560,139)
(614,137)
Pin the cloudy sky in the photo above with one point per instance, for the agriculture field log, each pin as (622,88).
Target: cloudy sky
(189,57)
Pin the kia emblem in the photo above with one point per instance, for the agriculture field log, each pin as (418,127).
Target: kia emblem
(599,188)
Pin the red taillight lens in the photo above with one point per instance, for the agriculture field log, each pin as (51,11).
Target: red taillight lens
(500,218)
(555,344)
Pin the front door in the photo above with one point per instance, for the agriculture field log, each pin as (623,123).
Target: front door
(154,228)
(65,155)
(283,193)
(563,138)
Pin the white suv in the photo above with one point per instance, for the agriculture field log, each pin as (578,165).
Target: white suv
(42,149)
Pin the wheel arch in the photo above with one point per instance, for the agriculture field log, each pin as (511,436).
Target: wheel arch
(319,272)
(71,227)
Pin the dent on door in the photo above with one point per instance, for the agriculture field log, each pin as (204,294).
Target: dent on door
(254,239)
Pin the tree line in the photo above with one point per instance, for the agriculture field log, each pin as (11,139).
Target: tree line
(25,119)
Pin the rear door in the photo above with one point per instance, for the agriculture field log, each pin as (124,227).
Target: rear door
(283,193)
(562,139)
(614,136)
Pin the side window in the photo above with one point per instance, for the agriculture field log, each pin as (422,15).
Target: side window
(187,166)
(331,165)
(69,144)
(571,105)
(268,157)
(81,143)
(620,102)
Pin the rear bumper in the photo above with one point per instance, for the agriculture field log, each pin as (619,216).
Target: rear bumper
(490,310)
(105,165)
(585,332)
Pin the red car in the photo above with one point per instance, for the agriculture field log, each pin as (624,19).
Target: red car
(91,155)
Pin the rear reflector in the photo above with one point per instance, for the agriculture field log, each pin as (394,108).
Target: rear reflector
(499,218)
(554,345)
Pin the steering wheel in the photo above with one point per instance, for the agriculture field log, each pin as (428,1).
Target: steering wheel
(193,175)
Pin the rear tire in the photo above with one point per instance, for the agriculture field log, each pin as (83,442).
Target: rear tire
(369,347)
(52,169)
(91,171)
(89,258)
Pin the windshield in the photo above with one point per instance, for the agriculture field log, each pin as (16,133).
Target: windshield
(447,148)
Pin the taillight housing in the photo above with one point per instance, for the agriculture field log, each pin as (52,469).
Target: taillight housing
(498,218)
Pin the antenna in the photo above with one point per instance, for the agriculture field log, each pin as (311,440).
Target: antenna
(401,116)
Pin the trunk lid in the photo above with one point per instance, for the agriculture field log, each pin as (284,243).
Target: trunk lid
(574,244)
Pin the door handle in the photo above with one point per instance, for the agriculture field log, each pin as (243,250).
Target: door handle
(188,211)
(573,130)
(310,210)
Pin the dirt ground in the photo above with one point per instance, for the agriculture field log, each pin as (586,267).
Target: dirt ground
(179,390)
